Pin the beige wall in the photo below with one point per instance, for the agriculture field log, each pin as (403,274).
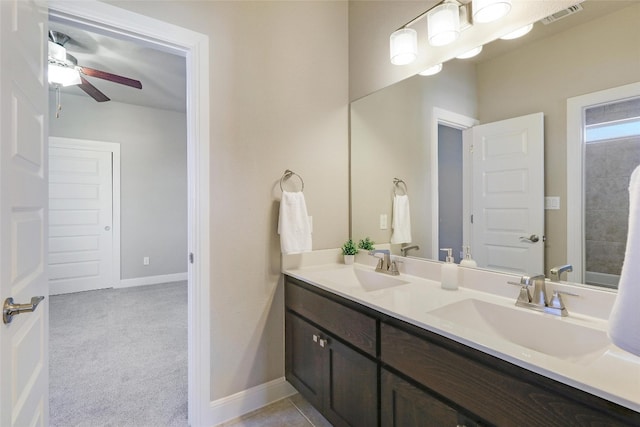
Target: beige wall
(279,99)
(372,22)
(601,54)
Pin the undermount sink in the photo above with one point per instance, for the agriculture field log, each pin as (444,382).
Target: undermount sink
(366,280)
(553,336)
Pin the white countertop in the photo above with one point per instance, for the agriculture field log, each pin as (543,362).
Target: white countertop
(610,372)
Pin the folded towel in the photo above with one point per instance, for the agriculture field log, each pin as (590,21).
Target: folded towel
(293,224)
(401,223)
(624,321)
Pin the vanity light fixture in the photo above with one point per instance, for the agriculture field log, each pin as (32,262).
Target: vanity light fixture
(403,46)
(490,10)
(431,70)
(445,21)
(443,24)
(470,53)
(518,33)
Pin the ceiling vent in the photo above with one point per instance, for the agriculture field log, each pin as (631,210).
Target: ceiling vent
(562,14)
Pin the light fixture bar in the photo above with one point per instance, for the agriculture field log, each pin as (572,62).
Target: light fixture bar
(423,14)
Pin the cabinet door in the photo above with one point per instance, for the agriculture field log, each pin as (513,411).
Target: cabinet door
(351,381)
(404,405)
(304,359)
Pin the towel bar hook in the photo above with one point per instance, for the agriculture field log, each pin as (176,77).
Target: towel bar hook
(396,184)
(288,174)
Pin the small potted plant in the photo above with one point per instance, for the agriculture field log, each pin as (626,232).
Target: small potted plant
(366,244)
(349,250)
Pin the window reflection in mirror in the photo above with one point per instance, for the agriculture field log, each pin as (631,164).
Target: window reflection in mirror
(612,151)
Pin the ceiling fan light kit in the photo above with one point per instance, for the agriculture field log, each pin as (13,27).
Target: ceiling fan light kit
(64,70)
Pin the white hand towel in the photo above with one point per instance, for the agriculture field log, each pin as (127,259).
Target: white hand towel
(624,321)
(401,223)
(293,224)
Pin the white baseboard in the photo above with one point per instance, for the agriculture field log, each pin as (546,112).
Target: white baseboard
(152,280)
(243,402)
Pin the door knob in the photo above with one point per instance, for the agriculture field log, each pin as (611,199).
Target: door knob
(533,238)
(9,309)
(107,228)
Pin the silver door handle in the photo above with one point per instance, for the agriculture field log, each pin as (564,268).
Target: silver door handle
(9,309)
(533,238)
(107,228)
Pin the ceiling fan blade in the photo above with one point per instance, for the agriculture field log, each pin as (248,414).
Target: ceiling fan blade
(111,77)
(92,91)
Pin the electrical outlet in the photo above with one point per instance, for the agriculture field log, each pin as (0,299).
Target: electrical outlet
(145,260)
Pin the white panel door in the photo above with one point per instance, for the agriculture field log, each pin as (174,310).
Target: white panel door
(24,397)
(508,195)
(80,220)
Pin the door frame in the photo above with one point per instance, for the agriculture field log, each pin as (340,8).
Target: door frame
(456,121)
(576,107)
(194,47)
(114,149)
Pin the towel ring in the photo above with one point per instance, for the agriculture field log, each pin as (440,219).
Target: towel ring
(396,184)
(288,174)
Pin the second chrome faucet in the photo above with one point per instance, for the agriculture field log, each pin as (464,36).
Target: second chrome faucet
(385,265)
(539,300)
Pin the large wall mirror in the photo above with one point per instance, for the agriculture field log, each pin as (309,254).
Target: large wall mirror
(396,132)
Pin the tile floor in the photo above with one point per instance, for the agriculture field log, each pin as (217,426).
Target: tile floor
(293,411)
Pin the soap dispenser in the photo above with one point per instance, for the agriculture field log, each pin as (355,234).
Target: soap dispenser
(449,273)
(468,261)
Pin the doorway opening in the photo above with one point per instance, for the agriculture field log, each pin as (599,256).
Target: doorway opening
(453,126)
(193,47)
(450,160)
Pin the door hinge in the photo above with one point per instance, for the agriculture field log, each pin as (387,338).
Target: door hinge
(191,257)
(471,218)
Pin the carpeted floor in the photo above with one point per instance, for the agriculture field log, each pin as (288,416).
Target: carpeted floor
(118,357)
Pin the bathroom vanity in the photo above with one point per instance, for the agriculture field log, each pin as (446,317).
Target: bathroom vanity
(361,364)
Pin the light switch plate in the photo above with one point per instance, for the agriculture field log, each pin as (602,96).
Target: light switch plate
(552,202)
(383,222)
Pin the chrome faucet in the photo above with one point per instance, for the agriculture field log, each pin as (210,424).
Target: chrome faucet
(406,249)
(556,272)
(539,301)
(385,265)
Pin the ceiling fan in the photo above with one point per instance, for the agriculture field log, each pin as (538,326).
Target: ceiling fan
(65,71)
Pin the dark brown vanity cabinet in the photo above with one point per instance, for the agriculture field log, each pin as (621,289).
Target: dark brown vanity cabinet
(360,367)
(404,405)
(340,381)
(495,391)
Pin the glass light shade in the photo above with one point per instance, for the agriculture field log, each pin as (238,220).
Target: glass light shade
(431,70)
(518,33)
(470,53)
(65,76)
(57,51)
(490,10)
(443,24)
(403,46)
